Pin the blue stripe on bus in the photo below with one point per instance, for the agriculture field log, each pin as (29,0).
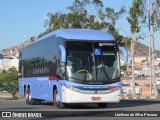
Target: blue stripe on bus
(42,87)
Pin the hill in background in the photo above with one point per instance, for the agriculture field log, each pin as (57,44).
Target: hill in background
(13,52)
(140,50)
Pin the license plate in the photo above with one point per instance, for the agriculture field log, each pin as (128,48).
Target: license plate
(95,98)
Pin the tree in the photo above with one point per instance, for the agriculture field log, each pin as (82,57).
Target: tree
(135,19)
(123,67)
(153,23)
(12,69)
(10,81)
(33,38)
(85,14)
(113,16)
(128,42)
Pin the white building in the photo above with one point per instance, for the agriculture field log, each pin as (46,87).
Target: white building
(5,64)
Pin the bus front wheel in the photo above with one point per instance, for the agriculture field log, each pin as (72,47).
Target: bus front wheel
(56,103)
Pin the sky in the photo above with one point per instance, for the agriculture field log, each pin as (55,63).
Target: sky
(22,19)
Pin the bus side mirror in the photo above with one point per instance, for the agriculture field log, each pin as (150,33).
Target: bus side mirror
(63,54)
(125,54)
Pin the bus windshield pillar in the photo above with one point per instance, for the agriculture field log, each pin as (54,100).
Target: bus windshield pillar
(63,54)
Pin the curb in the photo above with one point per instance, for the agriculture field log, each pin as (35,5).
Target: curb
(9,97)
(139,97)
(3,96)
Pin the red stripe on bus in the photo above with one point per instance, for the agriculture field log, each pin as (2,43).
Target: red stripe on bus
(53,78)
(111,87)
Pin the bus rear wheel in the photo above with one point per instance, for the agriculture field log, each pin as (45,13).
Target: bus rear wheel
(102,105)
(38,102)
(56,103)
(29,99)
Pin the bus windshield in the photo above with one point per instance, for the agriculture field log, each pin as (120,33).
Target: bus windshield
(91,61)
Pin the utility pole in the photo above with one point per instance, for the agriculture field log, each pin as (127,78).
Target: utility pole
(152,11)
(153,65)
(132,57)
(150,57)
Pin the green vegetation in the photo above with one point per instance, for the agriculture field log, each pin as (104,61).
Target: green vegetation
(85,14)
(136,16)
(128,42)
(123,67)
(143,61)
(9,81)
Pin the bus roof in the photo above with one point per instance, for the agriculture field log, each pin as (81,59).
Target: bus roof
(77,34)
(80,34)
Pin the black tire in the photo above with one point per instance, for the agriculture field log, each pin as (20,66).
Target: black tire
(102,105)
(29,99)
(38,102)
(56,103)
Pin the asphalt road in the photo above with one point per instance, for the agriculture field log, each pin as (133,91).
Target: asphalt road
(123,105)
(91,111)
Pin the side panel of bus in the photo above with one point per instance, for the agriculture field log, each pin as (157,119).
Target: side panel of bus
(43,54)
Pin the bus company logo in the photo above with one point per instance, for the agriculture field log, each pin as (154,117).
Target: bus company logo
(6,114)
(41,70)
(95,92)
(21,114)
(106,44)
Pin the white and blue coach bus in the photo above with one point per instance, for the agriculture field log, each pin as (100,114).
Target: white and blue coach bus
(71,66)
